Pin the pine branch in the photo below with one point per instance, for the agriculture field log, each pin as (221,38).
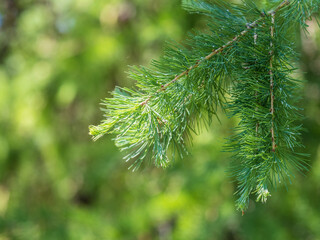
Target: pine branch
(182,91)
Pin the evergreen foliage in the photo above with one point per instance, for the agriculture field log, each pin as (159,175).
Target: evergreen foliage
(242,64)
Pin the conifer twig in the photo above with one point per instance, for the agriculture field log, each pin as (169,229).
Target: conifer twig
(272,81)
(264,145)
(255,38)
(219,50)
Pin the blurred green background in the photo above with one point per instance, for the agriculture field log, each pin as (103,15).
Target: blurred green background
(58,59)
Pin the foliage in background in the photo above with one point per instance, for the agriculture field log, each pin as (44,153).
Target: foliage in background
(58,59)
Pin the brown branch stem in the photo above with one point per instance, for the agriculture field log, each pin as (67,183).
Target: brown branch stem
(272,82)
(255,39)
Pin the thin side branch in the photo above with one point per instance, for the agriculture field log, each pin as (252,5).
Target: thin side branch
(255,39)
(283,4)
(272,82)
(219,50)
